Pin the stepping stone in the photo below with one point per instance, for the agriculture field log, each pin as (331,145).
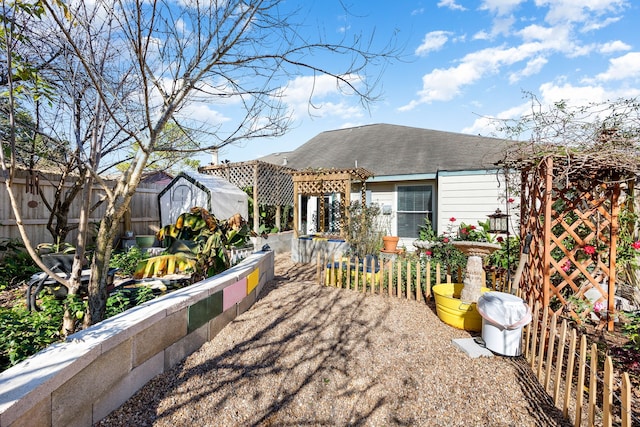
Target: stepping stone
(474,347)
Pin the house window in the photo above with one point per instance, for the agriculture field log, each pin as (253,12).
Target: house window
(414,204)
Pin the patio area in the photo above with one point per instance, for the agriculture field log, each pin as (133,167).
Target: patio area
(311,355)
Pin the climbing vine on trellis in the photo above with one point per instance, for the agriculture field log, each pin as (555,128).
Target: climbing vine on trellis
(574,222)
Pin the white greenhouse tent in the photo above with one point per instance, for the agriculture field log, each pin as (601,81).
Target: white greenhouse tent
(190,189)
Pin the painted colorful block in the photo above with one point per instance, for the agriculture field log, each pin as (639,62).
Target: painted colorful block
(204,310)
(252,280)
(233,294)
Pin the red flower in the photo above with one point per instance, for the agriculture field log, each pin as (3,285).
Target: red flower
(445,240)
(428,253)
(511,200)
(452,219)
(567,266)
(472,227)
(500,239)
(636,245)
(464,231)
(589,250)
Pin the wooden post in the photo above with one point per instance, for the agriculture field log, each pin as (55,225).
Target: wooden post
(427,284)
(408,279)
(568,382)
(279,217)
(256,204)
(390,278)
(593,384)
(418,284)
(580,384)
(613,241)
(559,362)
(552,343)
(543,337)
(548,202)
(399,281)
(607,393)
(625,401)
(296,206)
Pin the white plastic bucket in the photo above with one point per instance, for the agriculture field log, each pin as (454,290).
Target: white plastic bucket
(503,316)
(502,341)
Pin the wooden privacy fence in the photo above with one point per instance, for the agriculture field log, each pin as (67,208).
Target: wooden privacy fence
(143,216)
(586,390)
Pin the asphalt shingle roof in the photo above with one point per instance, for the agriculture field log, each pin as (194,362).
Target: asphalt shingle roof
(386,149)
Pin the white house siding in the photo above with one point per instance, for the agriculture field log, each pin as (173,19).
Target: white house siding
(469,197)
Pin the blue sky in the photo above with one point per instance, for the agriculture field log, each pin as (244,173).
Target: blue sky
(465,61)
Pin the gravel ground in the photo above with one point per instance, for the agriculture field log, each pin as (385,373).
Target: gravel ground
(311,355)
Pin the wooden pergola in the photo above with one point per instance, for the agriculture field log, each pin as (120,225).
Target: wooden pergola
(271,184)
(318,182)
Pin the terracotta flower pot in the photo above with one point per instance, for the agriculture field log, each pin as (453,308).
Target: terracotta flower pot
(390,243)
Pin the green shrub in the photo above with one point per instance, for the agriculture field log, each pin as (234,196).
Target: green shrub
(127,261)
(26,333)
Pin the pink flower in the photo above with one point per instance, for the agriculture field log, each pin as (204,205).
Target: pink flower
(452,219)
(464,231)
(445,240)
(511,200)
(566,266)
(428,253)
(500,239)
(636,245)
(589,250)
(599,306)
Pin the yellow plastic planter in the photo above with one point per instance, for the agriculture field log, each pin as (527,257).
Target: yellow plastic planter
(452,311)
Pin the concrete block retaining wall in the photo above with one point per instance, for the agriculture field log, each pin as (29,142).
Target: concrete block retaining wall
(307,249)
(79,382)
(278,242)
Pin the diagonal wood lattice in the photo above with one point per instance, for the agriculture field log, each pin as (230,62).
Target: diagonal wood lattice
(574,224)
(271,184)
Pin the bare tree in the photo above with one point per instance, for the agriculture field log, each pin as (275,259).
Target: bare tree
(178,53)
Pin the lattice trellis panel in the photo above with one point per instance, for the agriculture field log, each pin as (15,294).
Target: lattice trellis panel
(274,183)
(574,224)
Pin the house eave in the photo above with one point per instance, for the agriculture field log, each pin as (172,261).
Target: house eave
(395,178)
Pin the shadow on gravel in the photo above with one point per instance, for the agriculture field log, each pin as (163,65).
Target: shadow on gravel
(312,355)
(542,407)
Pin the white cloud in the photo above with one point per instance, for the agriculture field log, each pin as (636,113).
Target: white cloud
(533,66)
(320,96)
(445,84)
(500,7)
(614,46)
(580,10)
(432,41)
(622,67)
(419,11)
(451,4)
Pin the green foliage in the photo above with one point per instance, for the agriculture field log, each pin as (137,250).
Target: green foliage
(199,236)
(508,256)
(124,299)
(632,330)
(127,261)
(16,265)
(426,231)
(362,231)
(267,220)
(474,233)
(25,333)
